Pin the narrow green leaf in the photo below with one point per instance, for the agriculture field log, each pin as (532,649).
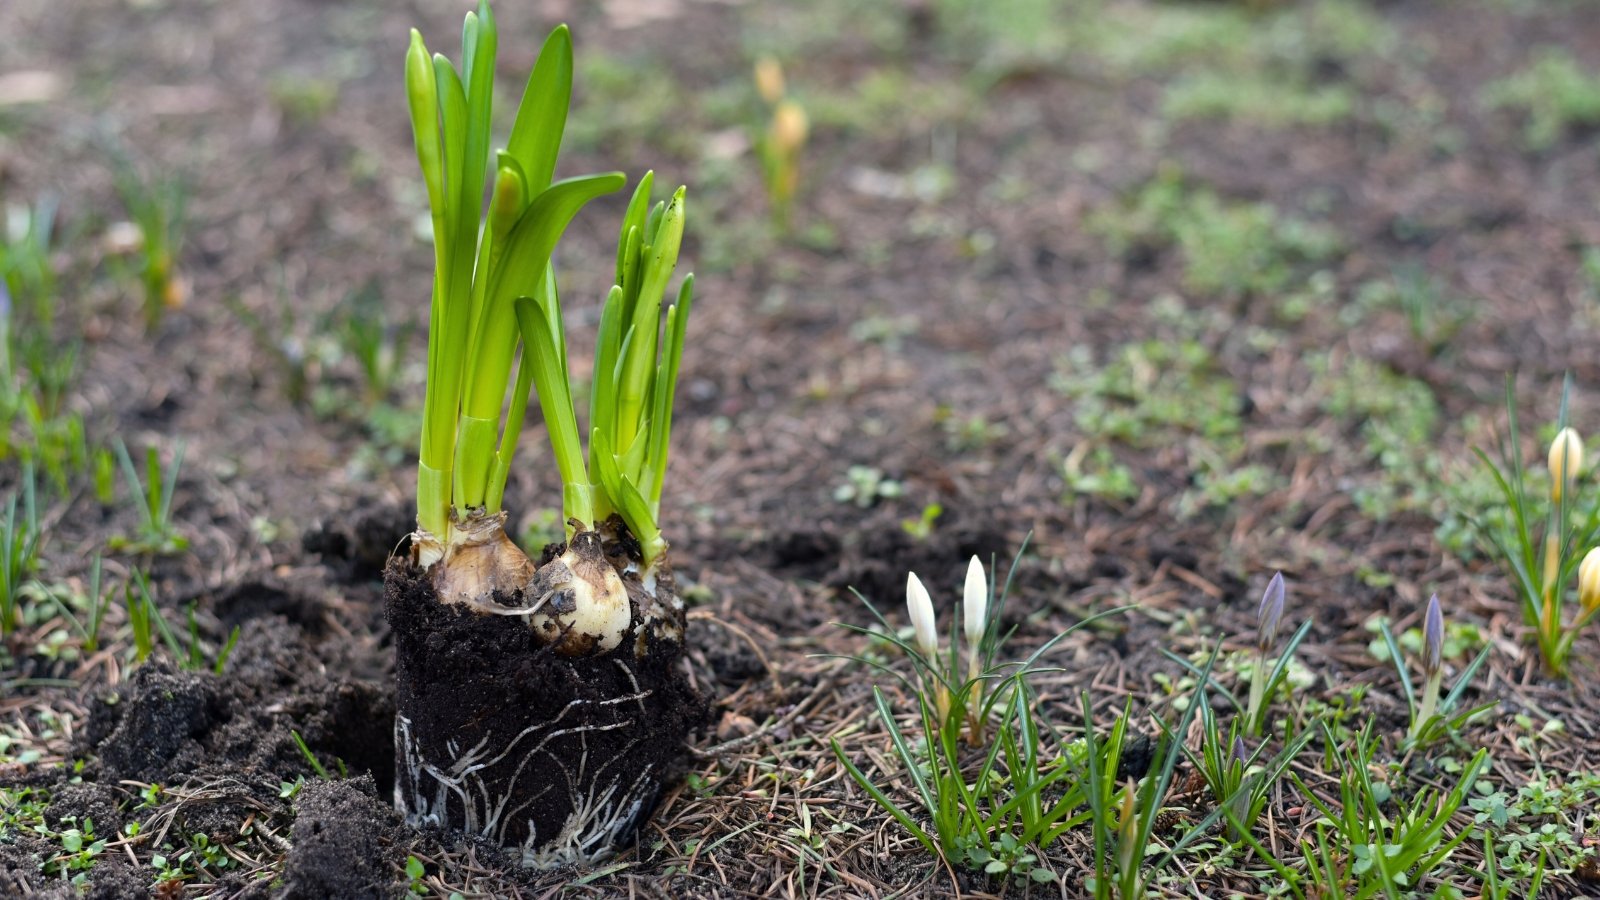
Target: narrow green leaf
(883,800)
(625,497)
(554,394)
(666,386)
(527,256)
(542,115)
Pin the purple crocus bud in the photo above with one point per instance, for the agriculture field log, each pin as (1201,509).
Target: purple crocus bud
(1239,755)
(1270,613)
(1432,637)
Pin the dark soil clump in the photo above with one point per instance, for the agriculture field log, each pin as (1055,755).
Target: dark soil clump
(153,728)
(547,750)
(342,844)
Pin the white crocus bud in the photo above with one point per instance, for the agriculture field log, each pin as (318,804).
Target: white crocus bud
(975,607)
(1566,458)
(920,606)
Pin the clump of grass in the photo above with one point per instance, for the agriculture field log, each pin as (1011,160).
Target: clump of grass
(157,534)
(1554,94)
(377,343)
(97,601)
(1540,548)
(1239,778)
(1374,840)
(27,272)
(148,625)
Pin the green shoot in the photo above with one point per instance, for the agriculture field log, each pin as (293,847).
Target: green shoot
(157,534)
(19,551)
(311,758)
(99,602)
(1542,562)
(142,616)
(377,344)
(637,354)
(481,268)
(1123,815)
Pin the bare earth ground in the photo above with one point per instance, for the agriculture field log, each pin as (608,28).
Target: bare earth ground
(969,250)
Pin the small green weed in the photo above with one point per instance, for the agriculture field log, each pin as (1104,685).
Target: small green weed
(865,486)
(1554,94)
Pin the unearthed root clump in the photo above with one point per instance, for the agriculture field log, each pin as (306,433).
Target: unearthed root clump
(503,735)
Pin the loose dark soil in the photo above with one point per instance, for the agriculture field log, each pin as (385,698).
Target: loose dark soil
(948,275)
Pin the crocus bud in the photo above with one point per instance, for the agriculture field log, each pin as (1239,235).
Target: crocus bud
(1433,637)
(920,606)
(975,604)
(1239,756)
(1566,458)
(769,79)
(1270,613)
(1589,580)
(789,126)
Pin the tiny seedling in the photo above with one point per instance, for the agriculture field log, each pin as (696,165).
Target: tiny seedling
(921,527)
(1542,562)
(316,764)
(377,344)
(157,535)
(1554,93)
(865,486)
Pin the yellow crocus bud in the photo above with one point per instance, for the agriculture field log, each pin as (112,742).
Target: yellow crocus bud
(1566,458)
(769,79)
(1589,580)
(789,127)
